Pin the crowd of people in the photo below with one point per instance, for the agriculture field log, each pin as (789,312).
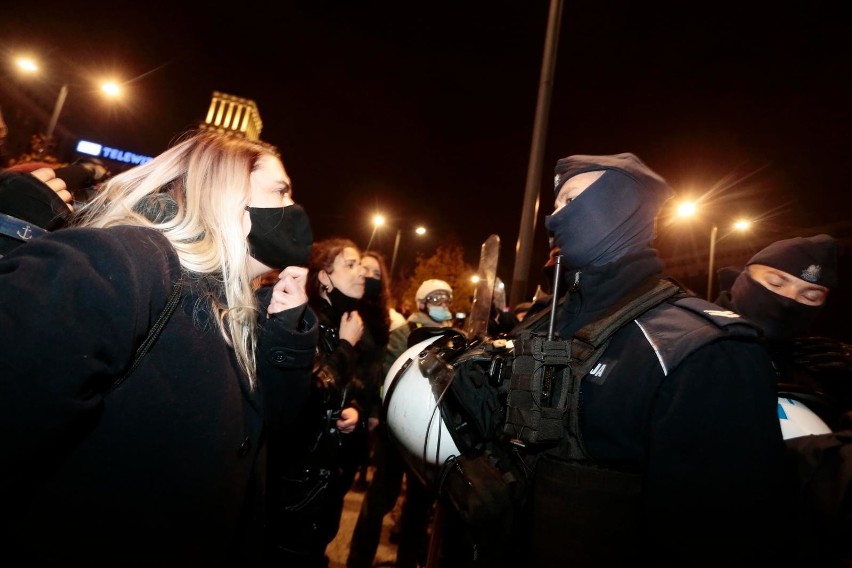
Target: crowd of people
(190,378)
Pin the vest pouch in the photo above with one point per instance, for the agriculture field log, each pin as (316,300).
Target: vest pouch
(585,515)
(540,388)
(487,500)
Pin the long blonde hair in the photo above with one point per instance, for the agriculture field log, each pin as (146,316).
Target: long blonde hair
(195,194)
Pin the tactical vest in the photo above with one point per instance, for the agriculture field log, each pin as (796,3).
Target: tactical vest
(512,402)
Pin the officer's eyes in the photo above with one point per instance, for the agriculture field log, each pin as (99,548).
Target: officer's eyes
(814,295)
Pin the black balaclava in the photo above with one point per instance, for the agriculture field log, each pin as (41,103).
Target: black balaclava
(813,259)
(280,236)
(780,318)
(613,217)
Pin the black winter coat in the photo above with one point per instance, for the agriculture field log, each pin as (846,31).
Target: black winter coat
(167,468)
(309,465)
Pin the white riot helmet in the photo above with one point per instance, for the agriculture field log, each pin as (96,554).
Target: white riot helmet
(412,397)
(412,408)
(432,286)
(799,420)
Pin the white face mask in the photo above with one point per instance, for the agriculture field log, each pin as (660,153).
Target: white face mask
(440,313)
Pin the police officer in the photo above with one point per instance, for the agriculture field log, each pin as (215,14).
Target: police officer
(783,289)
(681,449)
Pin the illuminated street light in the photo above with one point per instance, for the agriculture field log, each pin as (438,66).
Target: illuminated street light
(419,231)
(689,209)
(378,220)
(111,89)
(29,65)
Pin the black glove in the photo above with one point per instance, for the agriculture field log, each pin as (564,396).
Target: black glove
(822,354)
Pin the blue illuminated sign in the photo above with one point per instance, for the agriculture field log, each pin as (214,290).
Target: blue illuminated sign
(95,149)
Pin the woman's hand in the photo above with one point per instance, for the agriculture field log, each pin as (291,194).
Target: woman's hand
(48,176)
(351,327)
(348,420)
(289,291)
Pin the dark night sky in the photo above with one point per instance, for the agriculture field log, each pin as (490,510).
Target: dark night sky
(425,110)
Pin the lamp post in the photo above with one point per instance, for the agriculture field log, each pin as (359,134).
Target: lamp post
(379,220)
(713,232)
(57,109)
(688,209)
(28,65)
(395,250)
(419,230)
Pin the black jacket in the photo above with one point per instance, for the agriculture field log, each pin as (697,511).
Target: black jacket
(687,408)
(307,475)
(165,469)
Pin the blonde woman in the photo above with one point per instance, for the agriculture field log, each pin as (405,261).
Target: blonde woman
(162,466)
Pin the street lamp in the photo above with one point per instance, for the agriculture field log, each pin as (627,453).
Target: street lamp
(689,209)
(420,231)
(378,220)
(29,65)
(57,108)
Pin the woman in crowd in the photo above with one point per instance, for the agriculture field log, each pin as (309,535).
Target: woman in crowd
(374,309)
(160,467)
(309,471)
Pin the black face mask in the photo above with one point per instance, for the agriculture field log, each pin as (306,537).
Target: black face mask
(780,318)
(341,302)
(280,236)
(372,288)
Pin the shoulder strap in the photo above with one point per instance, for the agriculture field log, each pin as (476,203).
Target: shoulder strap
(590,342)
(156,329)
(19,229)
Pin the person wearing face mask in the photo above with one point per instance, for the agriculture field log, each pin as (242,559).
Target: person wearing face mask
(783,289)
(118,456)
(379,498)
(374,310)
(647,425)
(433,299)
(306,495)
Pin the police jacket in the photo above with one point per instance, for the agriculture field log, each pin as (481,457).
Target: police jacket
(681,406)
(825,389)
(162,470)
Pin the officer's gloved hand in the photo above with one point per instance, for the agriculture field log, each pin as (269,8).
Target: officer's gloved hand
(822,354)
